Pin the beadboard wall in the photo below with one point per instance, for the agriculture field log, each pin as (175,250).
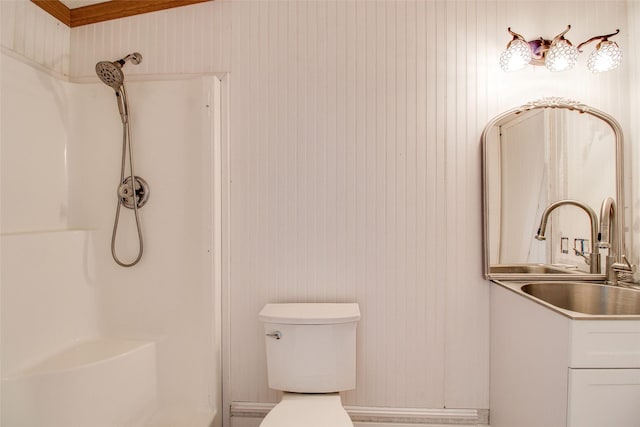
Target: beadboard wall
(355,164)
(184,40)
(633,136)
(32,33)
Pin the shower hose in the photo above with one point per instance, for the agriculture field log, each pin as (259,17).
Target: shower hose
(126,148)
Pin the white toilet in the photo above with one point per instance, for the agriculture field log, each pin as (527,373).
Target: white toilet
(311,356)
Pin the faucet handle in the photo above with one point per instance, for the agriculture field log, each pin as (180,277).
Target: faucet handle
(586,256)
(624,272)
(623,267)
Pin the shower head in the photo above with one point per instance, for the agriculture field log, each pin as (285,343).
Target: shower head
(111,72)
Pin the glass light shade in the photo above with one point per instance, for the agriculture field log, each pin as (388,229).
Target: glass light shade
(561,56)
(607,56)
(516,57)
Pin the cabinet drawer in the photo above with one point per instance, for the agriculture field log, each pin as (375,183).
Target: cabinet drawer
(604,397)
(605,344)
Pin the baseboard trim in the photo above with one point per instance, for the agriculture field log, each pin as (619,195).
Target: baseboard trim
(250,409)
(369,414)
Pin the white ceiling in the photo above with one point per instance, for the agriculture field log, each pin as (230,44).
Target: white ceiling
(72,4)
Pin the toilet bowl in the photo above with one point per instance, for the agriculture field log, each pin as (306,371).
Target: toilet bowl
(311,356)
(308,410)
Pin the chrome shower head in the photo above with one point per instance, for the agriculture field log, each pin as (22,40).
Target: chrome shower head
(111,72)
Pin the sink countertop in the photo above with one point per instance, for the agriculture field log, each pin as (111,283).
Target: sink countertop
(515,286)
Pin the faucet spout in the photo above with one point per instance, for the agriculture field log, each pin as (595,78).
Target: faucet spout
(606,238)
(616,261)
(594,257)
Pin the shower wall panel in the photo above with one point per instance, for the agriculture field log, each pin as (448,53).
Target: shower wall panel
(169,296)
(35,133)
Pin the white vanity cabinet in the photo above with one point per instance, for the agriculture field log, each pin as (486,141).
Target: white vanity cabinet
(552,370)
(604,373)
(604,397)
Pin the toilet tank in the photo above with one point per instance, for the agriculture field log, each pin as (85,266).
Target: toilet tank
(311,347)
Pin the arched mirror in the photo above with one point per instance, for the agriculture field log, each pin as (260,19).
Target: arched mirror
(537,154)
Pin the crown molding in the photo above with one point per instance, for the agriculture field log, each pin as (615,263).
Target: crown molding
(106,11)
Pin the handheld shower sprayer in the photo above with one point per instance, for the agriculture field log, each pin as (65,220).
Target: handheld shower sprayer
(111,74)
(133,191)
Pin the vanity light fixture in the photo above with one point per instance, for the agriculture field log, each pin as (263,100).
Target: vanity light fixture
(559,54)
(517,55)
(562,55)
(607,55)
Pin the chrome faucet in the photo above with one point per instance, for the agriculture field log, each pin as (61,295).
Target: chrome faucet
(607,225)
(607,237)
(593,259)
(616,261)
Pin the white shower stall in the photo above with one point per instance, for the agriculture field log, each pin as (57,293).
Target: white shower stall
(84,341)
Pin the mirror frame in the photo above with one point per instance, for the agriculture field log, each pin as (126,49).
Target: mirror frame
(555,102)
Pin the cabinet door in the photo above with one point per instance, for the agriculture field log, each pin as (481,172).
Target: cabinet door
(604,397)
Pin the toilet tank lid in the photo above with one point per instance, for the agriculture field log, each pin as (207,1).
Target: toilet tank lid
(310,313)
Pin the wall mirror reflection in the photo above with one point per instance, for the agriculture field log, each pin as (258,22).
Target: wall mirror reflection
(533,156)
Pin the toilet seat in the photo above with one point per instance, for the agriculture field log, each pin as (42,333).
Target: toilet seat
(308,410)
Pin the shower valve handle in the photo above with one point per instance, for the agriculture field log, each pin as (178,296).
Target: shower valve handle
(130,194)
